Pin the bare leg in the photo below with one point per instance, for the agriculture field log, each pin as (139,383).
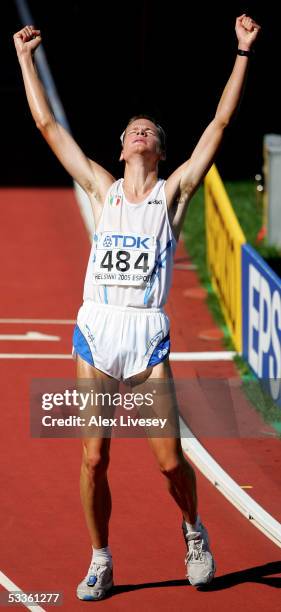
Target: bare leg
(94,487)
(180,476)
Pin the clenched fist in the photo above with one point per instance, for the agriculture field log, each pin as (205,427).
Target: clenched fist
(247,31)
(27,40)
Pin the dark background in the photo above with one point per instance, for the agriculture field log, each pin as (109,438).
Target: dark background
(113,60)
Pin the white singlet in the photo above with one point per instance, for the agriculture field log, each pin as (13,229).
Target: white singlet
(121,327)
(131,259)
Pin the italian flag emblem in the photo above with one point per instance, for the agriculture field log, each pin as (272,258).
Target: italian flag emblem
(115,200)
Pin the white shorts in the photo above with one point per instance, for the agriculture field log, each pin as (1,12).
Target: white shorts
(121,341)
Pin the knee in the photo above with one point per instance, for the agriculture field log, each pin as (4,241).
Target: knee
(170,466)
(95,462)
(174,467)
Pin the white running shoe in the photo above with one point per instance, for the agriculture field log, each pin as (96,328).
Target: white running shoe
(97,583)
(199,561)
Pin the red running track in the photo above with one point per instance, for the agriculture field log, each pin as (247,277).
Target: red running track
(44,542)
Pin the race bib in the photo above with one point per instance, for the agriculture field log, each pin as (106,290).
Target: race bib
(123,259)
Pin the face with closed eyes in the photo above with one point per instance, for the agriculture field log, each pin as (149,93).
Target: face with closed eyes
(141,137)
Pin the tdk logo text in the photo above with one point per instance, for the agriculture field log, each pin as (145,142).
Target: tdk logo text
(126,241)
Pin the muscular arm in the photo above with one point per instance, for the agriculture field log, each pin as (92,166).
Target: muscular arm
(90,175)
(182,184)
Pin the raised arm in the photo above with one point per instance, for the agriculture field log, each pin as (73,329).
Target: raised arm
(90,175)
(182,184)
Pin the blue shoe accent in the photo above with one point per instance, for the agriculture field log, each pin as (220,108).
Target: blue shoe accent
(81,346)
(160,352)
(92,580)
(97,584)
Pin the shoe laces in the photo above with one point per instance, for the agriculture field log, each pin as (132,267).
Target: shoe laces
(95,573)
(195,549)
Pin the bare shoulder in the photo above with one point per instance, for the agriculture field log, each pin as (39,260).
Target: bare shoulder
(179,190)
(90,175)
(99,189)
(175,188)
(102,182)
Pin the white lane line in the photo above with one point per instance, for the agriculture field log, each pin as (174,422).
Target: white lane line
(215,356)
(30,335)
(261,519)
(205,356)
(34,356)
(45,321)
(11,586)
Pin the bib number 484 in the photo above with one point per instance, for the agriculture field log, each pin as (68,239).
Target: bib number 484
(123,263)
(123,259)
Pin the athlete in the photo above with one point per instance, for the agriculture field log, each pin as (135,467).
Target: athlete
(122,331)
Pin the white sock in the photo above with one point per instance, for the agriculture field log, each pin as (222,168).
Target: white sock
(195,526)
(102,555)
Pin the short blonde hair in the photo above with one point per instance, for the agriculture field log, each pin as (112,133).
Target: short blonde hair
(161,133)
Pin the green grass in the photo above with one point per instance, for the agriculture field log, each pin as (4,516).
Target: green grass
(264,404)
(247,205)
(195,240)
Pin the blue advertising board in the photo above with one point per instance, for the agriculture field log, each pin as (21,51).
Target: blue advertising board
(261,319)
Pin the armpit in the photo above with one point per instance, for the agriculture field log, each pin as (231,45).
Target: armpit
(93,192)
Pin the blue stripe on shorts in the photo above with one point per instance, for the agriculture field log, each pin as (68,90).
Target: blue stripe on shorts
(160,352)
(81,346)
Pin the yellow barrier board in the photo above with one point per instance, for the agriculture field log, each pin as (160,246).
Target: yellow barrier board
(224,240)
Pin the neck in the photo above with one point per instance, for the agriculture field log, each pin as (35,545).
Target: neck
(139,178)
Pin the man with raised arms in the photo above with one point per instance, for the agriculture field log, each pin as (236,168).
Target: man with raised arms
(122,331)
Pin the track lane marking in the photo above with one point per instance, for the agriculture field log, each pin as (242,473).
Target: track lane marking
(242,501)
(35,356)
(212,356)
(11,587)
(30,336)
(203,356)
(45,321)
